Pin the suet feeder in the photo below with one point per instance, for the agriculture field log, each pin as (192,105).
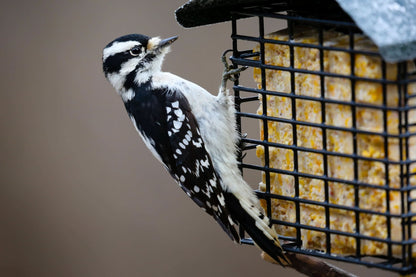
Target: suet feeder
(335,92)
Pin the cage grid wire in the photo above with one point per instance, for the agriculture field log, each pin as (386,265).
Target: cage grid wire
(398,249)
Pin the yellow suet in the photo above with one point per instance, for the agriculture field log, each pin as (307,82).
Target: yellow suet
(339,115)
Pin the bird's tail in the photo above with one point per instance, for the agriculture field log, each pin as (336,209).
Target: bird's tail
(256,224)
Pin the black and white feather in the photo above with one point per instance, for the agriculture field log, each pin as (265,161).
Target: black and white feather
(191,132)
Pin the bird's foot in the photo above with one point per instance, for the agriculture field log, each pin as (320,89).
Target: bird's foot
(241,146)
(230,73)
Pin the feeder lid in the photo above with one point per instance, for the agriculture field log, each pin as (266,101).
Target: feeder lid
(391,24)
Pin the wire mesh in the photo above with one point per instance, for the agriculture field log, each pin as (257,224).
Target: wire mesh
(395,219)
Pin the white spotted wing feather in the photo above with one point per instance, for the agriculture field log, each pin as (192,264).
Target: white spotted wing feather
(193,167)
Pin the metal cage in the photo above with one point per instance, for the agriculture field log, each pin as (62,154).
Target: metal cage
(391,259)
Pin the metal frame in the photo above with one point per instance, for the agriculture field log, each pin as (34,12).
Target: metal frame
(244,57)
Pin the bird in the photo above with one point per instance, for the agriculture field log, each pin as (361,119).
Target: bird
(191,132)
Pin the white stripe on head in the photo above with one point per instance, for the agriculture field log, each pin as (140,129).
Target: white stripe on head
(118,47)
(117,81)
(129,66)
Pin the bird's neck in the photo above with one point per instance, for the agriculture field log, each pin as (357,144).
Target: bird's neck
(143,75)
(135,83)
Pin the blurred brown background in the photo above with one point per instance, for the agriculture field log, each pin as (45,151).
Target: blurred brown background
(80,195)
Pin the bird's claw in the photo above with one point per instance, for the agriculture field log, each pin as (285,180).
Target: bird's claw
(242,145)
(230,72)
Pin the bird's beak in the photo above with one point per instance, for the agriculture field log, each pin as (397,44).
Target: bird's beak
(166,42)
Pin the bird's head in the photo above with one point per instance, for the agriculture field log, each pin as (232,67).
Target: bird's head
(134,58)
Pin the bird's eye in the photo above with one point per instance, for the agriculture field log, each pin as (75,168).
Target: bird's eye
(135,51)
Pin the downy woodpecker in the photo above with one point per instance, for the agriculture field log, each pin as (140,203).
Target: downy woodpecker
(192,133)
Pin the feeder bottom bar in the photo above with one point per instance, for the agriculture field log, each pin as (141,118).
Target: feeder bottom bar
(344,168)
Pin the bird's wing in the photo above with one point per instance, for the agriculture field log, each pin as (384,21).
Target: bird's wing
(165,121)
(193,167)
